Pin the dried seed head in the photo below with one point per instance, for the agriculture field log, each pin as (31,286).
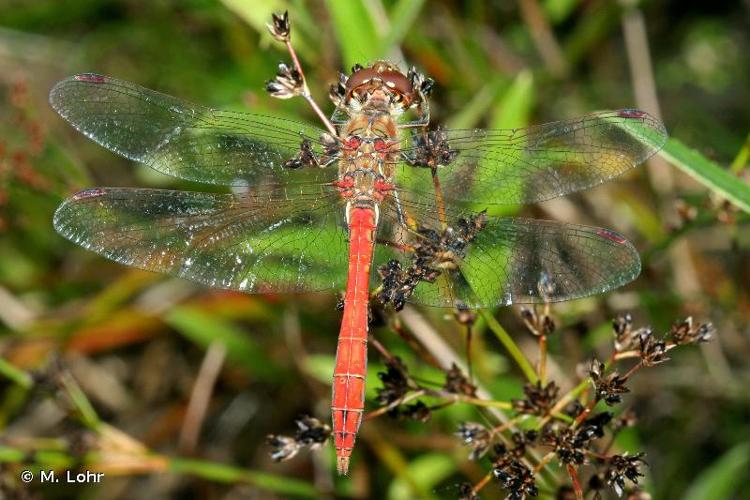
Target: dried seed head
(475,436)
(311,432)
(395,383)
(464,315)
(573,409)
(621,467)
(593,427)
(538,399)
(287,84)
(625,337)
(516,478)
(430,150)
(608,388)
(522,440)
(685,332)
(538,324)
(284,447)
(570,444)
(280,29)
(562,439)
(653,352)
(417,411)
(457,383)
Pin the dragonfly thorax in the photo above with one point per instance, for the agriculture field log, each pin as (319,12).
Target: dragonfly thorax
(369,142)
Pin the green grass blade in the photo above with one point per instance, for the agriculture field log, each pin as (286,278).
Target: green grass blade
(203,329)
(228,474)
(515,107)
(477,108)
(707,173)
(355,31)
(403,15)
(427,471)
(722,478)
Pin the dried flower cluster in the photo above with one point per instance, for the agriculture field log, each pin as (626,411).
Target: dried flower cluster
(538,324)
(280,27)
(457,383)
(287,84)
(431,149)
(572,433)
(311,433)
(436,251)
(395,383)
(539,400)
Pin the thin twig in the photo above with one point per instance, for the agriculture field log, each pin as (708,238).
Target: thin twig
(306,90)
(201,396)
(544,39)
(576,483)
(469,363)
(402,400)
(543,360)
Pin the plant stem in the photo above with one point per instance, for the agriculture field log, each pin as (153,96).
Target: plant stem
(511,347)
(576,483)
(543,360)
(16,375)
(306,91)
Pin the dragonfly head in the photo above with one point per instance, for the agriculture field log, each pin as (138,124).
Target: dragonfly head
(382,87)
(378,86)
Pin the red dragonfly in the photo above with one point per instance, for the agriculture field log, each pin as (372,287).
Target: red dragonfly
(311,210)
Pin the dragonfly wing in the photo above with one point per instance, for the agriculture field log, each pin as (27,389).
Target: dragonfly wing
(257,242)
(532,164)
(181,139)
(518,260)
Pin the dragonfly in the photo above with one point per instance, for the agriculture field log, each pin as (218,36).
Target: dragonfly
(375,196)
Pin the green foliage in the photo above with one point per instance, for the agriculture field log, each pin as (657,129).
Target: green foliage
(719,480)
(708,173)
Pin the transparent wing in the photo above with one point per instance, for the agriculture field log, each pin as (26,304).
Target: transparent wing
(181,139)
(533,164)
(272,241)
(515,260)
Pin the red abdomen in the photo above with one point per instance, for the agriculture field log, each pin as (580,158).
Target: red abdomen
(348,401)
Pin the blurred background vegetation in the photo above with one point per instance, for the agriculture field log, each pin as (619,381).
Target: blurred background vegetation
(127,347)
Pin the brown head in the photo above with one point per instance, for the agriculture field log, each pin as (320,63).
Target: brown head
(382,80)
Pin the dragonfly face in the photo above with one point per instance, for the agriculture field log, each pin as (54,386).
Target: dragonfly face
(308,205)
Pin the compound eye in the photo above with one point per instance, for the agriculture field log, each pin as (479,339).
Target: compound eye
(353,142)
(380,145)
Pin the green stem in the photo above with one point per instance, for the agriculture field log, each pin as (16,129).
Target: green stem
(511,347)
(742,158)
(211,471)
(223,473)
(16,375)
